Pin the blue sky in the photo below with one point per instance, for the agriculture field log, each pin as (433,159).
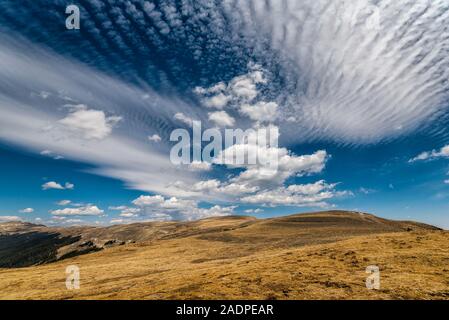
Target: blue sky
(359,94)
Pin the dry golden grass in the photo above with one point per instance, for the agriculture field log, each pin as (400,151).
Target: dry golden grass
(414,265)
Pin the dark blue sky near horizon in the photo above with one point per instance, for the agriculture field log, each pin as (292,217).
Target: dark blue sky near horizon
(80,107)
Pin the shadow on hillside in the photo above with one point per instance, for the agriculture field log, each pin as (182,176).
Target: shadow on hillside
(28,249)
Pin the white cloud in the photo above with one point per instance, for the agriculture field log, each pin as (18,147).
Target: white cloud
(118,208)
(174,203)
(366,190)
(117,221)
(131,210)
(73,221)
(431,155)
(183,118)
(128,215)
(301,165)
(215,211)
(217,88)
(275,165)
(351,97)
(240,91)
(149,200)
(236,189)
(64,202)
(261,111)
(312,195)
(9,218)
(155,138)
(27,210)
(32,123)
(46,152)
(446,181)
(89,210)
(206,185)
(369,82)
(157,216)
(69,186)
(310,189)
(57,186)
(52,185)
(221,119)
(378,81)
(88,123)
(159,208)
(254,211)
(127,212)
(51,154)
(218,101)
(200,166)
(217,188)
(245,87)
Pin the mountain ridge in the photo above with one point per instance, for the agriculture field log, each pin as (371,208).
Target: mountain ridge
(23,244)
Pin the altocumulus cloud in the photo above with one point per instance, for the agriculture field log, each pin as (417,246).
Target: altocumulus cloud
(88,130)
(351,84)
(344,82)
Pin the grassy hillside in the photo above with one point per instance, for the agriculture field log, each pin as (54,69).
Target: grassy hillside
(319,256)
